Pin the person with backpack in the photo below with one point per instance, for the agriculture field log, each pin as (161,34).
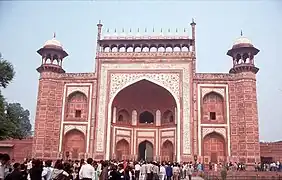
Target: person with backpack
(47,170)
(58,172)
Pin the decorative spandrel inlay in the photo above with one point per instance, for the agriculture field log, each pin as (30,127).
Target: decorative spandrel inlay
(167,80)
(81,128)
(216,90)
(82,89)
(186,73)
(221,131)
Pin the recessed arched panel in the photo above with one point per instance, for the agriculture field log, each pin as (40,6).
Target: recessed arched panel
(167,151)
(77,105)
(74,143)
(213,108)
(122,150)
(214,147)
(123,117)
(168,117)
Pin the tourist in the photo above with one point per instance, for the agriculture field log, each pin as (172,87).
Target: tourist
(58,171)
(47,170)
(16,174)
(137,168)
(4,165)
(175,172)
(36,170)
(143,171)
(87,170)
(155,171)
(189,171)
(120,172)
(24,172)
(168,171)
(162,172)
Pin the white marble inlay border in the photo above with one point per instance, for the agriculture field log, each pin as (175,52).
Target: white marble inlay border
(185,67)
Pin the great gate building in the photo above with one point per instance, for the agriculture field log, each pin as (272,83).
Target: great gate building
(145,100)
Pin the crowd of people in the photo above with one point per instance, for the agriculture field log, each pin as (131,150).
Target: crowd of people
(36,169)
(92,170)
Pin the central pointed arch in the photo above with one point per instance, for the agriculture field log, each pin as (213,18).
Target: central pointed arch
(175,97)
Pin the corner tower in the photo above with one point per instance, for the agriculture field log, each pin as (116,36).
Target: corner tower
(52,54)
(49,101)
(244,117)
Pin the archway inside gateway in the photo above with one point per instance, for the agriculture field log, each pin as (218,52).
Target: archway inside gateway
(145,151)
(146,98)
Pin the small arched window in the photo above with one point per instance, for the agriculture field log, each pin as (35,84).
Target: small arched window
(146,117)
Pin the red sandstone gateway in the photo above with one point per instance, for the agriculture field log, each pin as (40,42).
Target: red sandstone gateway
(146,101)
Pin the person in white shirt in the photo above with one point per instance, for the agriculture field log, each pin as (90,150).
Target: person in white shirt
(137,169)
(47,170)
(87,171)
(162,172)
(4,161)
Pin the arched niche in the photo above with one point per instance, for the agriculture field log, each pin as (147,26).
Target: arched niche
(214,147)
(168,117)
(74,143)
(213,108)
(77,106)
(146,117)
(167,151)
(122,150)
(123,116)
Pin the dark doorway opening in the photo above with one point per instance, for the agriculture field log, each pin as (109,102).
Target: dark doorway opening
(145,150)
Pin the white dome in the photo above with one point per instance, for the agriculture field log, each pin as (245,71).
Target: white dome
(242,40)
(53,42)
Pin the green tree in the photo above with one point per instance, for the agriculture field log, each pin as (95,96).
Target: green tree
(19,118)
(14,119)
(7,72)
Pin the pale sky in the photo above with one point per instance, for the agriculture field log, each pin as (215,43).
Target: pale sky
(26,25)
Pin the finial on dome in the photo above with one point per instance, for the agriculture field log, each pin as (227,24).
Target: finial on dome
(99,21)
(54,35)
(193,22)
(241,32)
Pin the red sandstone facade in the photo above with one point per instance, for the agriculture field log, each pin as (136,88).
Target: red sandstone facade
(146,100)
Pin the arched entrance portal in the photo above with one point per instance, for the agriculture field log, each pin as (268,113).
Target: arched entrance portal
(167,151)
(122,150)
(74,144)
(145,98)
(214,147)
(146,151)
